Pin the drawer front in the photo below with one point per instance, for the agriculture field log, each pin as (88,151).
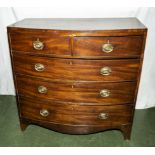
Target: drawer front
(75,114)
(107,46)
(40,43)
(85,93)
(79,70)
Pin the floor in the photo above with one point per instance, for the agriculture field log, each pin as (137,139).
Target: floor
(143,132)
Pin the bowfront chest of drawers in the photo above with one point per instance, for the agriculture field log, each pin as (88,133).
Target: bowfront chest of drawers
(77,76)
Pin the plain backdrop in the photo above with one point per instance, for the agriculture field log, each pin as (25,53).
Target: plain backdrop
(145,15)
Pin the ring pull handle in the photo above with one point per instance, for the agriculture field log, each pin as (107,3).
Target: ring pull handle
(42,89)
(103,116)
(105,71)
(39,67)
(44,112)
(38,45)
(107,48)
(105,93)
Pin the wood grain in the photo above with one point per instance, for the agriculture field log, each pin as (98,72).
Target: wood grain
(77,69)
(77,92)
(53,44)
(75,114)
(92,46)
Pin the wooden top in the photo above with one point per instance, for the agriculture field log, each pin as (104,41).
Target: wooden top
(80,23)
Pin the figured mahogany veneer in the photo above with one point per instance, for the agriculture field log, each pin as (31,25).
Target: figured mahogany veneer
(56,45)
(77,76)
(77,92)
(77,69)
(75,114)
(129,46)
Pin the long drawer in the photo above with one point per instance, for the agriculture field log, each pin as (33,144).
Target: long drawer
(75,114)
(129,46)
(78,92)
(77,69)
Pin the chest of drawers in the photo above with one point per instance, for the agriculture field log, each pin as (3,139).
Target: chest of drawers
(77,76)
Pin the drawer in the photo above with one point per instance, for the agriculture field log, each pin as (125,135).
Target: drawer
(75,114)
(77,69)
(40,43)
(78,92)
(130,46)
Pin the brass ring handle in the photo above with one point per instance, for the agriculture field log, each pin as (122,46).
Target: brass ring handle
(44,112)
(42,89)
(105,71)
(107,48)
(39,67)
(38,45)
(105,93)
(103,116)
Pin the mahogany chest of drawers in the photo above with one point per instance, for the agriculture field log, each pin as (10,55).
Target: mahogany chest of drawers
(77,76)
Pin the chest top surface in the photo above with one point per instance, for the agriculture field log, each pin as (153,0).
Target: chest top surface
(80,23)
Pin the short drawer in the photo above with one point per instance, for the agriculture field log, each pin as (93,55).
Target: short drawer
(77,69)
(75,114)
(40,43)
(78,92)
(130,46)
